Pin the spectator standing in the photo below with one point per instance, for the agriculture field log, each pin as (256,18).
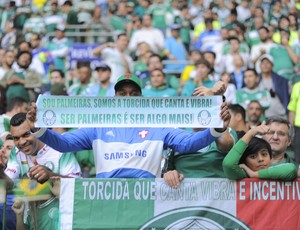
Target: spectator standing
(53,18)
(294,118)
(183,19)
(210,37)
(159,10)
(23,12)
(263,47)
(58,48)
(115,54)
(283,63)
(152,36)
(142,8)
(175,50)
(235,50)
(276,85)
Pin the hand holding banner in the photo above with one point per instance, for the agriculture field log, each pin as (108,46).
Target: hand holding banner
(65,111)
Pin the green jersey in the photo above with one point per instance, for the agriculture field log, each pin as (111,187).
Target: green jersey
(245,95)
(283,64)
(47,215)
(159,13)
(207,162)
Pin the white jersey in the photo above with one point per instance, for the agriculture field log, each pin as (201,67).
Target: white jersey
(64,164)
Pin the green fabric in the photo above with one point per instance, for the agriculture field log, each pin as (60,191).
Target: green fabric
(117,23)
(232,170)
(190,86)
(252,38)
(86,159)
(205,163)
(283,64)
(244,48)
(162,91)
(139,67)
(4,124)
(159,16)
(72,18)
(244,96)
(172,81)
(48,217)
(17,90)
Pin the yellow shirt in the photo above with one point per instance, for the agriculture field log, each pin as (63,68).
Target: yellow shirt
(185,75)
(200,28)
(294,104)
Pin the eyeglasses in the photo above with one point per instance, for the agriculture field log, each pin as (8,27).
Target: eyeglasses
(279,133)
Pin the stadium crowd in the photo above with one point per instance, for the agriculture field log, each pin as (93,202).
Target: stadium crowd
(247,51)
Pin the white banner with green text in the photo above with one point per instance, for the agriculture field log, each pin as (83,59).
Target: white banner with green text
(68,112)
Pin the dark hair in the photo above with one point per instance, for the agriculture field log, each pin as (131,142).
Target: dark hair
(121,35)
(83,64)
(160,70)
(195,51)
(209,52)
(62,74)
(237,109)
(68,3)
(281,120)
(233,38)
(9,137)
(233,12)
(251,69)
(203,62)
(255,101)
(37,35)
(24,52)
(284,17)
(18,119)
(255,145)
(15,102)
(154,55)
(264,28)
(149,14)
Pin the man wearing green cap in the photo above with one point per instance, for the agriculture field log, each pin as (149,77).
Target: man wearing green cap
(128,152)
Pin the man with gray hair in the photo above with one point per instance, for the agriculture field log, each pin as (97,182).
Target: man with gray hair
(279,137)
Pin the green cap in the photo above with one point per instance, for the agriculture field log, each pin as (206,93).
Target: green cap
(130,78)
